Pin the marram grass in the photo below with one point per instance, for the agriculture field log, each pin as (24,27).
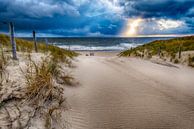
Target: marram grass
(58,54)
(171,47)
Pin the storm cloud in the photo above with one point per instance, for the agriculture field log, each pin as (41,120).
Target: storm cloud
(97,17)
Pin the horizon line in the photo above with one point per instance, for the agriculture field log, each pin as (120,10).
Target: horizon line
(137,36)
(44,35)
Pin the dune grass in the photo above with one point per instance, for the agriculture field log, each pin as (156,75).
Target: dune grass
(40,80)
(3,65)
(45,91)
(58,54)
(44,80)
(170,47)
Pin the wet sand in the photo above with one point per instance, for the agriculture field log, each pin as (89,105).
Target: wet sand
(129,93)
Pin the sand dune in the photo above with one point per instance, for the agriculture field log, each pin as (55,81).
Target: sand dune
(129,93)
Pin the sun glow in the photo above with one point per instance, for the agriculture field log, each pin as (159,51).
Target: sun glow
(131,27)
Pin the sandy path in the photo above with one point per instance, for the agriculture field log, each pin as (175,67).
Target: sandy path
(120,93)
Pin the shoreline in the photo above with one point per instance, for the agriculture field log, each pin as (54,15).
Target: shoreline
(99,53)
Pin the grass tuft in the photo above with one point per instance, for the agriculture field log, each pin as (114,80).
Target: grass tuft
(3,65)
(43,91)
(41,80)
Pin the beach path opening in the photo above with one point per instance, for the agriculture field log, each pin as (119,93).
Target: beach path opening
(128,93)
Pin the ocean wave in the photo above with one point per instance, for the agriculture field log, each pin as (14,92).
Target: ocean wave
(121,46)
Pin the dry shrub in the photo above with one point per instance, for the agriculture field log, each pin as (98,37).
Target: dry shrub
(40,80)
(176,61)
(3,65)
(43,91)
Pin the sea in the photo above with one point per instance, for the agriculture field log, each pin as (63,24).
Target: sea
(97,43)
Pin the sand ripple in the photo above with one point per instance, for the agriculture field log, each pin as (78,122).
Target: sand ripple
(115,95)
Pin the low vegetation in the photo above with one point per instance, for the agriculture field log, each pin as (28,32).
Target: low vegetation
(170,46)
(40,79)
(43,91)
(58,54)
(3,64)
(163,48)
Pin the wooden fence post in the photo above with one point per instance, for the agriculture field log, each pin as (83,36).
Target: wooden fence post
(35,43)
(12,39)
(46,43)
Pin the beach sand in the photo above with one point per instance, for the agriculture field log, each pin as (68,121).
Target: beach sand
(99,53)
(130,93)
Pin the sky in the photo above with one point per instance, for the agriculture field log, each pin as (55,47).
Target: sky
(122,18)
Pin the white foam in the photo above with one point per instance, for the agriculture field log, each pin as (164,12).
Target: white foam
(121,46)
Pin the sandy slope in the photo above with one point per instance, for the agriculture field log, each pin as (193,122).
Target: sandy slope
(123,93)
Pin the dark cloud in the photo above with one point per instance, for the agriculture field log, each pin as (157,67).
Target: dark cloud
(159,8)
(36,8)
(94,17)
